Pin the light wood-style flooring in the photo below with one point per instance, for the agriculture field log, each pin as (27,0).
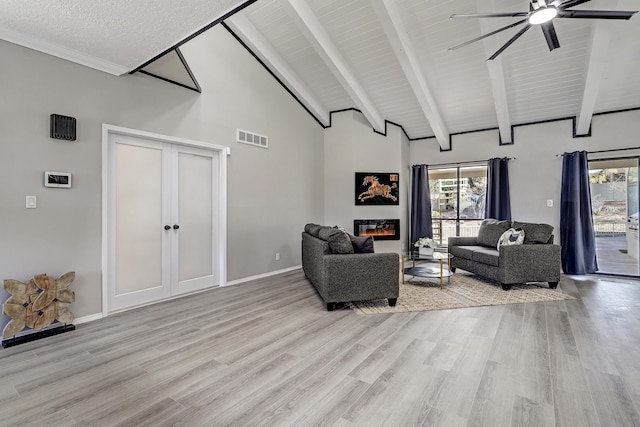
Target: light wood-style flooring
(611,260)
(268,353)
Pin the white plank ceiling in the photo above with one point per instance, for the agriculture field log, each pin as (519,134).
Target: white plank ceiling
(386,58)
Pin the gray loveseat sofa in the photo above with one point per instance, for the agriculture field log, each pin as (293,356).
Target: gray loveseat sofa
(341,275)
(536,260)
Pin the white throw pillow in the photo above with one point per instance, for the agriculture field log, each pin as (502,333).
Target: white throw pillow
(513,236)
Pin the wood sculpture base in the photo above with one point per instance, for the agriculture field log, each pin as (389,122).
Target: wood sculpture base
(67,327)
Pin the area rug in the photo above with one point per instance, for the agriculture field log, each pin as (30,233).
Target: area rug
(463,290)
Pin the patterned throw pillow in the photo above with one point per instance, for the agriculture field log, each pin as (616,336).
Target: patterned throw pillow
(513,236)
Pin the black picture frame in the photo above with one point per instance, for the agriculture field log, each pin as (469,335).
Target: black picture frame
(377,188)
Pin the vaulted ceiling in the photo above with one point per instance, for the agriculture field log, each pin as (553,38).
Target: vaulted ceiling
(390,59)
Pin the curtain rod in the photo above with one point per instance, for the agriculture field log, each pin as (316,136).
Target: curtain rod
(466,163)
(605,151)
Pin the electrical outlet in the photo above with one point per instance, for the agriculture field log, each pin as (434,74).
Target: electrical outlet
(31,202)
(549,203)
(277,256)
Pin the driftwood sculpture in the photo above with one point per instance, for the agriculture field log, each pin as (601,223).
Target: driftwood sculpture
(37,303)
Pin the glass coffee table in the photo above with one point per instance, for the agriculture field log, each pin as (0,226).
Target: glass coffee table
(436,266)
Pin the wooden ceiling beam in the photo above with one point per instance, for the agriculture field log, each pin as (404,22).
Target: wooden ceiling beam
(496,76)
(499,91)
(596,61)
(243,27)
(335,61)
(390,18)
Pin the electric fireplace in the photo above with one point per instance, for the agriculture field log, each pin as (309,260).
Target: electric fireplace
(380,229)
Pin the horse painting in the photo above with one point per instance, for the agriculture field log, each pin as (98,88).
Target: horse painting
(376,189)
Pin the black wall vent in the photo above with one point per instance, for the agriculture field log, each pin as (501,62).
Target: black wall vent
(63,127)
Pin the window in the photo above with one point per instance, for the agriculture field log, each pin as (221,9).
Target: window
(457,200)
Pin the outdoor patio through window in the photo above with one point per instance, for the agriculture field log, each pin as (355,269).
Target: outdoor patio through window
(457,201)
(614,202)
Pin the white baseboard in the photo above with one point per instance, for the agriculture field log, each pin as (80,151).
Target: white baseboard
(89,318)
(263,275)
(98,316)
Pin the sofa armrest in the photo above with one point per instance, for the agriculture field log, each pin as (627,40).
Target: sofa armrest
(352,277)
(532,262)
(463,241)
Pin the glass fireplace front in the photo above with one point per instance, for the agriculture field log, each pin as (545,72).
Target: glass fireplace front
(380,229)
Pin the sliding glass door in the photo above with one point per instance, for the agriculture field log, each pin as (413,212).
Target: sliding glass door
(457,201)
(614,203)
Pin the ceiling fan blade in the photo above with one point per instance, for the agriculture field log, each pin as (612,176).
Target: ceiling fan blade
(596,14)
(564,4)
(511,40)
(489,15)
(549,32)
(451,49)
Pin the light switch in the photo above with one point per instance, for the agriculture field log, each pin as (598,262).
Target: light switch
(31,202)
(550,203)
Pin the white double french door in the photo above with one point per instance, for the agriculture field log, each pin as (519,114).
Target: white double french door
(163,220)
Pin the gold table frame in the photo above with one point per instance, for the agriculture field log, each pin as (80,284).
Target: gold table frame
(417,271)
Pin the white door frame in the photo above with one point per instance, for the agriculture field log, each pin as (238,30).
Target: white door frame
(108,130)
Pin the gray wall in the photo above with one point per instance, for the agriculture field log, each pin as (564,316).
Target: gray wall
(271,193)
(351,146)
(535,175)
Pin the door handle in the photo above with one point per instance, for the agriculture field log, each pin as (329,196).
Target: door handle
(167,227)
(176,226)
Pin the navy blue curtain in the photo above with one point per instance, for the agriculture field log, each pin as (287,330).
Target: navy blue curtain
(420,204)
(576,223)
(498,202)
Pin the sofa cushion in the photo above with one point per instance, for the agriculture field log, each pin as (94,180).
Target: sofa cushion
(362,244)
(491,230)
(314,229)
(464,252)
(308,227)
(513,236)
(535,233)
(487,256)
(338,240)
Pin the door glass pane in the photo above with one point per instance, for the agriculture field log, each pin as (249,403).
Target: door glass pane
(614,203)
(444,193)
(448,230)
(469,228)
(473,188)
(196,216)
(139,218)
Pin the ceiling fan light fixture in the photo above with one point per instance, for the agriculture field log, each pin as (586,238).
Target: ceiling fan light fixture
(542,15)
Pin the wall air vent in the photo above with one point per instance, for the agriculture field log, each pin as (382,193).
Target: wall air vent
(63,127)
(251,138)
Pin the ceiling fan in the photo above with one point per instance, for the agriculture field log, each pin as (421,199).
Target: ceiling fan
(542,13)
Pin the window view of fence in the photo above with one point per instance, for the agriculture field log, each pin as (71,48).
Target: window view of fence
(442,230)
